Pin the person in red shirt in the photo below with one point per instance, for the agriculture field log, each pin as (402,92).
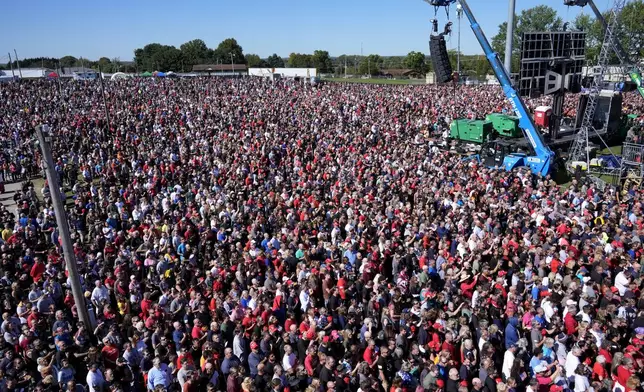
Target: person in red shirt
(370,356)
(624,371)
(110,353)
(449,346)
(311,361)
(146,305)
(37,270)
(599,370)
(197,330)
(467,286)
(570,323)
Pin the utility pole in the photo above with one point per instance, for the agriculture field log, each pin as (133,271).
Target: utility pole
(459,15)
(509,38)
(60,87)
(232,62)
(107,112)
(11,63)
(18,63)
(44,138)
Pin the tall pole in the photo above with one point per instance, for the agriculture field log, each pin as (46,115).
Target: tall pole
(509,37)
(44,138)
(459,14)
(60,87)
(11,64)
(107,112)
(232,63)
(18,63)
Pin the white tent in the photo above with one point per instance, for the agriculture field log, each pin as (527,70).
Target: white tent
(118,75)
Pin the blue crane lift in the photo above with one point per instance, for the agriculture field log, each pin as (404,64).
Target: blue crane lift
(503,153)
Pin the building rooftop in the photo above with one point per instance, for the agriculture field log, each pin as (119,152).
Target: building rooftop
(218,67)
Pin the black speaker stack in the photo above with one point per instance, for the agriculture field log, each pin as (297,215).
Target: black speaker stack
(440,59)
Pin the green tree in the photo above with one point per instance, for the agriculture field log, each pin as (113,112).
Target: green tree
(253,61)
(539,18)
(594,34)
(68,61)
(416,61)
(157,57)
(322,61)
(632,32)
(229,47)
(370,65)
(481,67)
(194,52)
(105,64)
(351,62)
(300,60)
(275,61)
(116,64)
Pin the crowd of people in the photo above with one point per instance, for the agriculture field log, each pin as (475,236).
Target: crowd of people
(246,235)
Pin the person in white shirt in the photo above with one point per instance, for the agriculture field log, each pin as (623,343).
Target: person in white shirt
(304,299)
(597,333)
(581,380)
(94,379)
(622,281)
(508,361)
(584,313)
(100,293)
(572,361)
(289,360)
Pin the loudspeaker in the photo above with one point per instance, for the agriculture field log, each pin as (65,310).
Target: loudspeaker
(608,111)
(440,59)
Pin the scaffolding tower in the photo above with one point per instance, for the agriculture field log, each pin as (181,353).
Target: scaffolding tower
(580,151)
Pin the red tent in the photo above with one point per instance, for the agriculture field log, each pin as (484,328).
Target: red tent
(52,75)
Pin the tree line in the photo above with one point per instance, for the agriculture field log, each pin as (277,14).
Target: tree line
(545,18)
(159,57)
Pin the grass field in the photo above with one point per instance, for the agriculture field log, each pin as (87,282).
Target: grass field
(375,81)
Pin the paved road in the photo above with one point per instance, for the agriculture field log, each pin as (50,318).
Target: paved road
(7,197)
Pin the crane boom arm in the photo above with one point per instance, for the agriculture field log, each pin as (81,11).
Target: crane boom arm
(540,163)
(617,47)
(633,70)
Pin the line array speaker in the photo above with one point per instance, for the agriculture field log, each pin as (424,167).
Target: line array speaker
(440,59)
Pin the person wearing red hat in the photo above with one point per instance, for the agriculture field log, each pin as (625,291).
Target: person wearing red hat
(254,359)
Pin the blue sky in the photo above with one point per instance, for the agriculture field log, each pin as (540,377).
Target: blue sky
(115,28)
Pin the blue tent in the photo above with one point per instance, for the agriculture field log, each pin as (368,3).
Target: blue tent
(159,74)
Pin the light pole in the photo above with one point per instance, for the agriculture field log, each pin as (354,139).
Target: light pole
(44,139)
(232,62)
(459,15)
(509,37)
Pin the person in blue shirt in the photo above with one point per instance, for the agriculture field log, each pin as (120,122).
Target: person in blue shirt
(351,254)
(158,375)
(179,337)
(511,332)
